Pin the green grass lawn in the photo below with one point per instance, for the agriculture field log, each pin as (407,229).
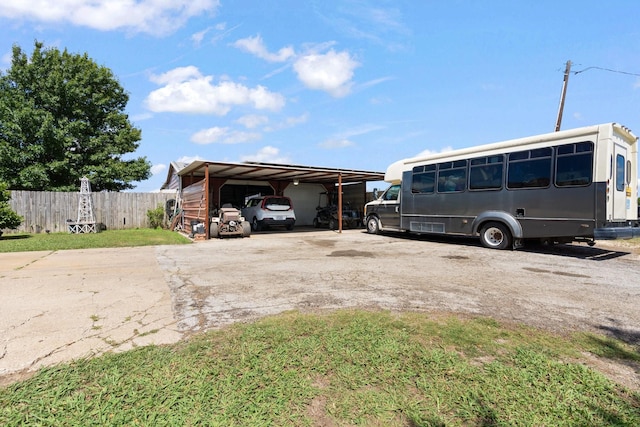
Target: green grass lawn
(340,369)
(106,239)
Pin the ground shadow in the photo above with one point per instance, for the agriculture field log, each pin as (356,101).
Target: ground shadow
(297,229)
(581,251)
(624,335)
(15,236)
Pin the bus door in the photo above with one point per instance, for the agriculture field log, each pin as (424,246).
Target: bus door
(620,189)
(389,208)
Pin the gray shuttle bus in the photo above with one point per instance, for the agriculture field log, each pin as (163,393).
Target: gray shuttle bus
(570,186)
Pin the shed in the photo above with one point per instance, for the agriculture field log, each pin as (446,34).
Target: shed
(207,185)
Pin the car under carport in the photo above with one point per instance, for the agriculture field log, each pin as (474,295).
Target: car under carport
(204,186)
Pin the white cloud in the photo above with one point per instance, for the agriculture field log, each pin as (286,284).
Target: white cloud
(287,123)
(368,21)
(255,46)
(375,82)
(199,36)
(141,117)
(159,168)
(252,121)
(5,61)
(177,75)
(189,159)
(428,152)
(343,139)
(331,72)
(223,136)
(292,121)
(266,154)
(155,17)
(336,143)
(186,90)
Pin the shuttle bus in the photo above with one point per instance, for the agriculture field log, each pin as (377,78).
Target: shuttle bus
(575,185)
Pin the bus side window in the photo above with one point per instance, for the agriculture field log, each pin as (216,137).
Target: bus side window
(452,176)
(423,183)
(574,164)
(529,169)
(485,177)
(485,173)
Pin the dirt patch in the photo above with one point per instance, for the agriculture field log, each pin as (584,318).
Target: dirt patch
(352,253)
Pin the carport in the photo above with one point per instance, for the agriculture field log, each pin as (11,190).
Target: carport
(207,185)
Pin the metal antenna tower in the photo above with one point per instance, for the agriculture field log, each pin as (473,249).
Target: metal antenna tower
(86,222)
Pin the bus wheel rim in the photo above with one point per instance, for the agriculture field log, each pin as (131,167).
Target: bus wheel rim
(494,236)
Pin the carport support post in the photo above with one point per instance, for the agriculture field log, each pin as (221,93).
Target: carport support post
(207,220)
(340,203)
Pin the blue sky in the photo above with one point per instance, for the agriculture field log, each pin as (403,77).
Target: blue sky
(352,84)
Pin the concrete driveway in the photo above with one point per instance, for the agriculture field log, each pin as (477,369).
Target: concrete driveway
(61,305)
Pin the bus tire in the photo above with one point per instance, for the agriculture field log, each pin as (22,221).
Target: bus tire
(495,235)
(373,225)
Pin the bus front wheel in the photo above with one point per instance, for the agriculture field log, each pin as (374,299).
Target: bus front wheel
(373,225)
(495,236)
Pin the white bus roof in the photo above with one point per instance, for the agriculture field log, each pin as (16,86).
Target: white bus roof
(395,170)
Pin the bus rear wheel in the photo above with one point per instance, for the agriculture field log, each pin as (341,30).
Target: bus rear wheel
(373,225)
(495,236)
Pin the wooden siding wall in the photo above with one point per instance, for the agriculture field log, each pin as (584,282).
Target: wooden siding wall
(43,210)
(193,205)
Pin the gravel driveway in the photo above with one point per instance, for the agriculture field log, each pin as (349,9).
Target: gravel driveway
(561,288)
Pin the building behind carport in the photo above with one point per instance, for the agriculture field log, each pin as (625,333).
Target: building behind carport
(207,185)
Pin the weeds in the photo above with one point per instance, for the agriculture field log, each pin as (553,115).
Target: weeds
(346,368)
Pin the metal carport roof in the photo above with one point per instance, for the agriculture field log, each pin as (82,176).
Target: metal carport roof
(272,171)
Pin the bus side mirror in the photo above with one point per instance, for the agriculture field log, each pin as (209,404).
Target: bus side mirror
(375,193)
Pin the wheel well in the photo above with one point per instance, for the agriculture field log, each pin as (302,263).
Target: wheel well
(373,215)
(488,221)
(504,218)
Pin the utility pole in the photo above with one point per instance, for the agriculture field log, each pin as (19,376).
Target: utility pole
(563,95)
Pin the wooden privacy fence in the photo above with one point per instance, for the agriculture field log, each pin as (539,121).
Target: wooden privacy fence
(44,210)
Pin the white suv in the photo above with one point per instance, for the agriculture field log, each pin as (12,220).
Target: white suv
(267,211)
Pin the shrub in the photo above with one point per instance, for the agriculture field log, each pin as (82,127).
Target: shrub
(156,217)
(8,218)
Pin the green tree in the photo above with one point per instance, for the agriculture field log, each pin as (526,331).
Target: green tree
(8,218)
(61,118)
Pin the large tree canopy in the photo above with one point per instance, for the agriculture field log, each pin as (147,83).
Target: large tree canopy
(61,118)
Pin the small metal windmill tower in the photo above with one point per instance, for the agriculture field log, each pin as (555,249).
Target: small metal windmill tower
(86,222)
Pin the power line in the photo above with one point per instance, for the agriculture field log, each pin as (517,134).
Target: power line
(607,69)
(567,72)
